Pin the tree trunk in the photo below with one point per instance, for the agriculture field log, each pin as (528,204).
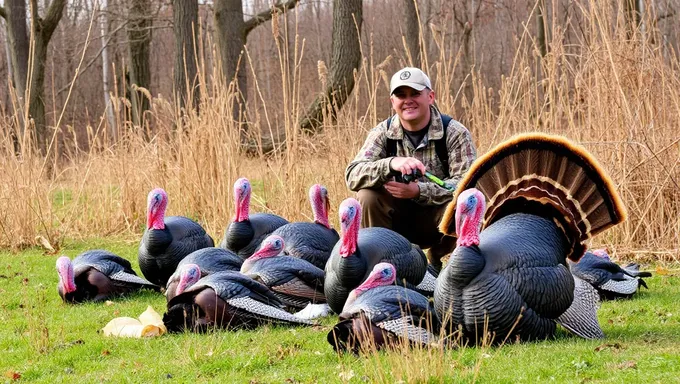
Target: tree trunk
(106,69)
(8,54)
(139,38)
(42,29)
(411,32)
(346,58)
(230,37)
(231,33)
(540,28)
(17,37)
(185,18)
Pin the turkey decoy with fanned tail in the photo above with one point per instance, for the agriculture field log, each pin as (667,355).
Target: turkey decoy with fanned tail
(546,196)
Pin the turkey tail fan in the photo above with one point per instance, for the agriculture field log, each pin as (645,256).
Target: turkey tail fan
(546,175)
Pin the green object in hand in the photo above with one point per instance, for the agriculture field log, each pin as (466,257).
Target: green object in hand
(437,180)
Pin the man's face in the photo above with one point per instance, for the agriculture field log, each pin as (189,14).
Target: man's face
(412,106)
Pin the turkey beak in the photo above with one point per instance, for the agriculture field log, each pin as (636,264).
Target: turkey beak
(460,217)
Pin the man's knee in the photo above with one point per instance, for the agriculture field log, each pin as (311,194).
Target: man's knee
(376,209)
(370,198)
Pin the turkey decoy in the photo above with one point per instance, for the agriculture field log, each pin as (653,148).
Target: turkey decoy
(226,300)
(167,240)
(295,281)
(199,264)
(610,279)
(245,233)
(311,241)
(379,314)
(358,251)
(546,196)
(97,275)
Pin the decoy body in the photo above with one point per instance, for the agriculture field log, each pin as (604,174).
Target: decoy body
(245,233)
(97,275)
(358,251)
(226,300)
(296,282)
(167,240)
(611,280)
(199,264)
(313,242)
(546,198)
(379,314)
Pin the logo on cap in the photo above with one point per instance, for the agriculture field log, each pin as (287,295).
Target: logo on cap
(404,75)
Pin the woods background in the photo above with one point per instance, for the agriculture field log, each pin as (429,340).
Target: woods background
(201,93)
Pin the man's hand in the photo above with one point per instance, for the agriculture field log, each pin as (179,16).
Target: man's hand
(406,165)
(403,191)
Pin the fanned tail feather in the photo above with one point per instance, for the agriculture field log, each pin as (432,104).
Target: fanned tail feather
(545,175)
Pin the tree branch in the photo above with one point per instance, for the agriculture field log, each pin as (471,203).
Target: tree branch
(95,57)
(3,14)
(52,17)
(267,15)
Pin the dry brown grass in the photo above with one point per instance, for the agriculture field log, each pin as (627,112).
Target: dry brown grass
(619,98)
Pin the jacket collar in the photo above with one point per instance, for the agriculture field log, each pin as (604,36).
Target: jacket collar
(436,131)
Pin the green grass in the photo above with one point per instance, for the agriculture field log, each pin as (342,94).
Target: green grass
(46,341)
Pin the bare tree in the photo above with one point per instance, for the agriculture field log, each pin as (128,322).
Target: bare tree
(185,26)
(34,76)
(106,67)
(231,32)
(346,58)
(139,41)
(411,31)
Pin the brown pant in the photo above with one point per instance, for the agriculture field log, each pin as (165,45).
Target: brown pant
(418,223)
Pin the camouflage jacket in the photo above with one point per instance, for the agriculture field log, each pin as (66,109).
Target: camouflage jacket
(371,166)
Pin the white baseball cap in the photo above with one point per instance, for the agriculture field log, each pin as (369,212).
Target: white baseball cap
(410,77)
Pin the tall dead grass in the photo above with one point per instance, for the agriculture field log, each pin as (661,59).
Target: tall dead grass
(619,97)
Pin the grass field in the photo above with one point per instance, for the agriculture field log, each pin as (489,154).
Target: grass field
(46,341)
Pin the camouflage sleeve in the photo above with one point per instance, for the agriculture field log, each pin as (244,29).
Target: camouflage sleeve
(462,154)
(370,168)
